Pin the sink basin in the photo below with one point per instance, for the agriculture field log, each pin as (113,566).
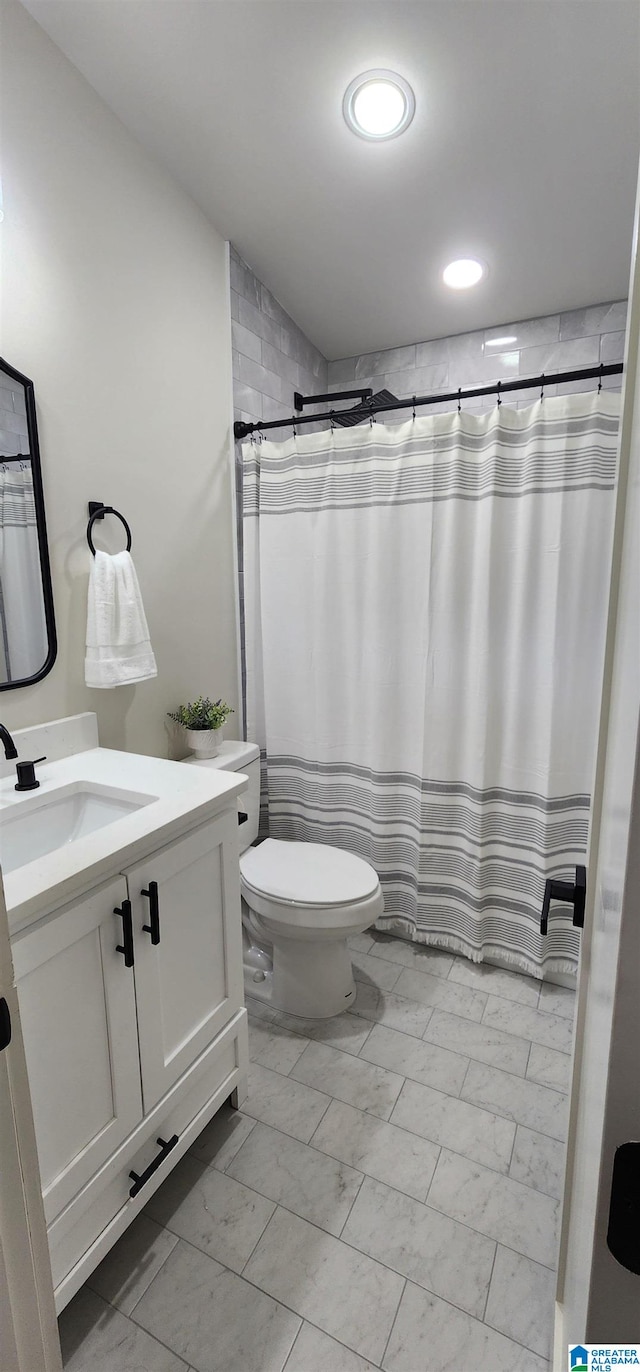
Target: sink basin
(32,828)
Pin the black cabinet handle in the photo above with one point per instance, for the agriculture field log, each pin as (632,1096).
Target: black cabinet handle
(574,893)
(5,1025)
(126,947)
(153,927)
(140,1179)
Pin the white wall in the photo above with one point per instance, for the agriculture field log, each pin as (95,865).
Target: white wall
(116,304)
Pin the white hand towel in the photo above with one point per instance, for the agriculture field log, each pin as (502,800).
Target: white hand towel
(118,648)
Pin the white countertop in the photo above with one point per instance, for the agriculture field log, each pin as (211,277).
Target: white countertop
(184,798)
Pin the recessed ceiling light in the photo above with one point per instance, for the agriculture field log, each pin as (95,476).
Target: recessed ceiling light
(464,272)
(502,342)
(378,104)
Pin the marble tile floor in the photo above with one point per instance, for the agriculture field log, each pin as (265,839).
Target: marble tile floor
(386,1198)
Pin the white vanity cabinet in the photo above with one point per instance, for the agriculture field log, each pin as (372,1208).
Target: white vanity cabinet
(188,951)
(132,1010)
(78,1013)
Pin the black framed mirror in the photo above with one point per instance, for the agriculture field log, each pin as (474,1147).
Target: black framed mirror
(28,643)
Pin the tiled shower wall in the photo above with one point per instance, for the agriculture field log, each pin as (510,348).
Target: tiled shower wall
(556,342)
(272,358)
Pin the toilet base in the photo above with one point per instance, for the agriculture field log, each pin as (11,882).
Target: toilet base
(311,980)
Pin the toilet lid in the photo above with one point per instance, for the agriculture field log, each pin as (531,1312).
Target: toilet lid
(307,873)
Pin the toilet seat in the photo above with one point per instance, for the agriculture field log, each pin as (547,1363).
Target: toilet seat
(311,886)
(307,873)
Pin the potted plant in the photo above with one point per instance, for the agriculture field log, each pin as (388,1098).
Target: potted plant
(203,722)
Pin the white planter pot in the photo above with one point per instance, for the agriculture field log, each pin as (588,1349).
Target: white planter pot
(204,742)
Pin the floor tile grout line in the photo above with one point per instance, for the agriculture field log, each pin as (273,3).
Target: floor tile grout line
(513,1149)
(354,1015)
(298,1333)
(462,1223)
(441,1150)
(444,1147)
(533,1009)
(493,1268)
(162,1264)
(277,1299)
(349,1057)
(360,1186)
(361,1252)
(393,1322)
(504,1073)
(407,1077)
(458,959)
(524,1346)
(516,1342)
(137,1325)
(459,1096)
(493,1239)
(351,1246)
(518,1038)
(409,966)
(528,1059)
(337,1239)
(312,1325)
(414,1133)
(389,1185)
(424,1039)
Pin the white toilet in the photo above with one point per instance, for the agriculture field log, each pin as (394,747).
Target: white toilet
(300,904)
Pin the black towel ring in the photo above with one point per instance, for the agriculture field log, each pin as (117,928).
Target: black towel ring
(98,511)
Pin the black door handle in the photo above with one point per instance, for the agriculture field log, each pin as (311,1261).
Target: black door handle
(572,892)
(5,1025)
(153,927)
(242,817)
(140,1179)
(126,947)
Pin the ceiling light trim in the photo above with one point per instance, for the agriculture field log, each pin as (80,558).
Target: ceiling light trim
(366,78)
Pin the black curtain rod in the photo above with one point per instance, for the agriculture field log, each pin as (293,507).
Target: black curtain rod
(499,388)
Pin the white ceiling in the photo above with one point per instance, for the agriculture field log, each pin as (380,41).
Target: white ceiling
(523,150)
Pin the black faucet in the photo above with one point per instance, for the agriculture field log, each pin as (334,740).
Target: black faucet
(10,750)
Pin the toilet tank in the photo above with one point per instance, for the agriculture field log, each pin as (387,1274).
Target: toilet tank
(235,756)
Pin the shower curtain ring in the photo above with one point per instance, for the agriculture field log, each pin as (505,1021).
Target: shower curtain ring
(542,388)
(293,426)
(459,394)
(498,392)
(600,379)
(414,407)
(333,422)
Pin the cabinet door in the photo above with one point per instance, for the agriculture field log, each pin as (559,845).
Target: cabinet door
(78,1011)
(189,980)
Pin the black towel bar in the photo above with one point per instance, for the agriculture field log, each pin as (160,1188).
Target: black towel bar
(98,511)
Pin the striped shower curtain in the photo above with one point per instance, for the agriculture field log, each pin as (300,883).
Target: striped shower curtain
(425,613)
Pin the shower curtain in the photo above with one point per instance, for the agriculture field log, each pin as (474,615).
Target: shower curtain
(425,612)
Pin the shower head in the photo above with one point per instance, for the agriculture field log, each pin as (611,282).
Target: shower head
(361,412)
